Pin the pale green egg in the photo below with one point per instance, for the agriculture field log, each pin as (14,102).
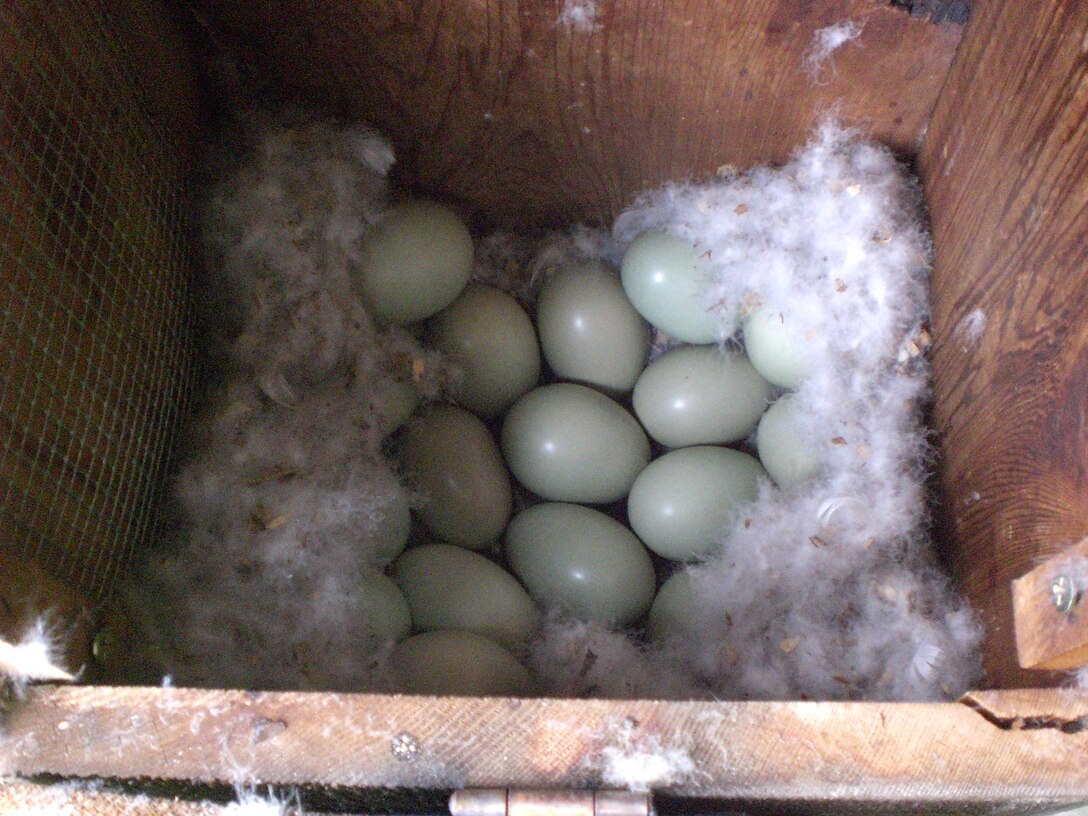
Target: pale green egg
(491,340)
(789,458)
(567,442)
(385,609)
(452,588)
(697,395)
(414,262)
(674,609)
(394,526)
(459,664)
(667,282)
(683,504)
(581,560)
(449,456)
(589,331)
(776,347)
(392,402)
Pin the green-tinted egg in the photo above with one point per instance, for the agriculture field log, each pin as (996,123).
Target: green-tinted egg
(414,262)
(392,402)
(697,395)
(395,524)
(683,503)
(449,455)
(788,457)
(581,560)
(668,284)
(459,664)
(776,347)
(385,608)
(674,608)
(589,331)
(452,588)
(567,442)
(491,339)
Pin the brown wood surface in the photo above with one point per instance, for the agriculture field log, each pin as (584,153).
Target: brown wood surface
(1005,168)
(1047,637)
(921,755)
(98,112)
(27,591)
(525,121)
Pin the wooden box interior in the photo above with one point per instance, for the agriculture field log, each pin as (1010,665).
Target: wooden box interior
(493,104)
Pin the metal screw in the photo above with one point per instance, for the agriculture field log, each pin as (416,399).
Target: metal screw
(1064,594)
(404,747)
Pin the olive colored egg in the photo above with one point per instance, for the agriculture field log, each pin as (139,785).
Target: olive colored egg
(414,262)
(683,504)
(452,588)
(392,402)
(698,395)
(776,347)
(459,664)
(788,457)
(449,455)
(668,283)
(579,559)
(567,442)
(385,608)
(492,341)
(394,527)
(674,608)
(589,331)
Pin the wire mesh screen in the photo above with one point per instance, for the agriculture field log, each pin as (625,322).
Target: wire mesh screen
(96,358)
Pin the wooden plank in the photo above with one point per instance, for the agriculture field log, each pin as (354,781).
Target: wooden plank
(1048,637)
(917,754)
(1006,175)
(27,591)
(93,264)
(528,122)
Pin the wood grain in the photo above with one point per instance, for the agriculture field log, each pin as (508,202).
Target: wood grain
(97,126)
(1006,176)
(527,122)
(912,754)
(1047,637)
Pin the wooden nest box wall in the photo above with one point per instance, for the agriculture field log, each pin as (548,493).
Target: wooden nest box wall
(528,121)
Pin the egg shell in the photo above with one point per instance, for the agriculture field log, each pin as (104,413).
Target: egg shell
(414,262)
(787,455)
(491,339)
(776,347)
(667,283)
(448,454)
(385,609)
(391,404)
(452,663)
(683,504)
(699,395)
(567,442)
(581,560)
(589,330)
(674,609)
(451,588)
(394,527)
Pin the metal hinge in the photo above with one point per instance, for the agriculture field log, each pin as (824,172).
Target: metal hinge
(504,802)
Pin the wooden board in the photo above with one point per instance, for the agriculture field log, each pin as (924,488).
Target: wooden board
(1048,636)
(1027,747)
(98,124)
(1006,175)
(527,122)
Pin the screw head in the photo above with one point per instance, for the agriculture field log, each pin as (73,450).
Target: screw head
(1063,592)
(405,747)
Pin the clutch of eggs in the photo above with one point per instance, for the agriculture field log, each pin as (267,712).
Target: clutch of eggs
(560,414)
